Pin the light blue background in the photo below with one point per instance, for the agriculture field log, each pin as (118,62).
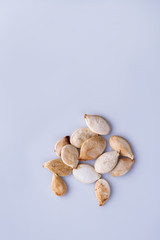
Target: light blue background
(59,60)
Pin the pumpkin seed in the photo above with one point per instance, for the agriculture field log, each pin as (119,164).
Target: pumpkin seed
(92,148)
(60,144)
(58,185)
(106,162)
(122,146)
(123,166)
(80,135)
(102,189)
(70,155)
(97,124)
(85,173)
(57,166)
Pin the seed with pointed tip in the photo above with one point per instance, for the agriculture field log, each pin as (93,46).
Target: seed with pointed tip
(97,124)
(60,144)
(102,189)
(80,135)
(57,166)
(70,155)
(85,173)
(58,185)
(106,162)
(122,146)
(92,148)
(122,167)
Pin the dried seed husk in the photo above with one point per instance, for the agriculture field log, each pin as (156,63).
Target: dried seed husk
(122,146)
(102,189)
(92,148)
(70,155)
(58,185)
(57,166)
(80,135)
(85,173)
(106,162)
(60,144)
(122,167)
(97,124)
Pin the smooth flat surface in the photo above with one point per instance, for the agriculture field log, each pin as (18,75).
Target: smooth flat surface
(59,60)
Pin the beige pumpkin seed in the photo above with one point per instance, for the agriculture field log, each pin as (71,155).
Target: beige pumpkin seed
(92,148)
(80,135)
(60,144)
(58,185)
(57,166)
(106,162)
(123,166)
(97,124)
(85,173)
(70,155)
(102,189)
(122,146)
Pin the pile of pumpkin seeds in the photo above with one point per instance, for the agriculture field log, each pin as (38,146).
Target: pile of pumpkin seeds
(88,144)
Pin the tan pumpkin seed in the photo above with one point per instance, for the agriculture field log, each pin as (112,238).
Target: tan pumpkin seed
(60,144)
(102,189)
(122,146)
(106,162)
(80,135)
(85,173)
(97,124)
(70,155)
(58,185)
(57,166)
(92,148)
(123,166)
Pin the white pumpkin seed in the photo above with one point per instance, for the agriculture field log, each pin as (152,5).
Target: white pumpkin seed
(106,162)
(97,124)
(92,148)
(123,166)
(80,135)
(58,185)
(60,144)
(85,173)
(122,146)
(102,189)
(70,155)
